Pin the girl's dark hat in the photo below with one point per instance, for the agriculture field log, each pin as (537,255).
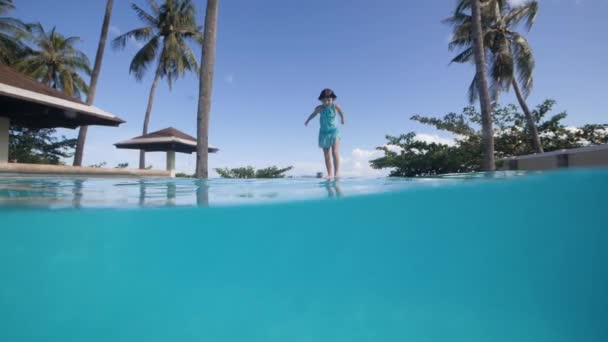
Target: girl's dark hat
(326,93)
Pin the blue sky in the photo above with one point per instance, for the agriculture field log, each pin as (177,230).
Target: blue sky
(387,60)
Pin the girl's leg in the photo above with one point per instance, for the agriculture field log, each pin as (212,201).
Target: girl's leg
(328,163)
(336,153)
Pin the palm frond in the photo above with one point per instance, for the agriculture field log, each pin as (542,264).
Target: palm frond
(524,62)
(144,16)
(34,32)
(65,82)
(459,43)
(170,25)
(12,46)
(501,69)
(143,58)
(189,57)
(140,34)
(6,5)
(508,53)
(466,56)
(55,61)
(169,60)
(463,5)
(495,89)
(154,6)
(80,85)
(457,18)
(79,63)
(11,24)
(473,92)
(527,11)
(68,43)
(31,65)
(71,83)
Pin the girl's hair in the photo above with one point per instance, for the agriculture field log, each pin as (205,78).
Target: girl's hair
(326,93)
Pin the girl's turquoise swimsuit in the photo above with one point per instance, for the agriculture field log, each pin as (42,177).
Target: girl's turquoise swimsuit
(328,132)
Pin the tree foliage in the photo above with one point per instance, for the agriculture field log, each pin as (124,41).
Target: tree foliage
(11,32)
(251,172)
(38,146)
(510,54)
(54,60)
(165,35)
(408,157)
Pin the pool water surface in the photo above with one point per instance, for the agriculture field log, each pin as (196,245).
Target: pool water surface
(477,258)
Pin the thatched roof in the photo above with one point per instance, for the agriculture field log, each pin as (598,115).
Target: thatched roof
(30,103)
(168,139)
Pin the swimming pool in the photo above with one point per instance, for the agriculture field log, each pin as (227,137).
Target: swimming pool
(444,259)
(132,193)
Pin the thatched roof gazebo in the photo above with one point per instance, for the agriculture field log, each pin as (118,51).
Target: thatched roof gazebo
(29,103)
(168,140)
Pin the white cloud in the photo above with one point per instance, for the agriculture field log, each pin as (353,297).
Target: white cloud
(572,129)
(432,138)
(517,2)
(356,164)
(394,148)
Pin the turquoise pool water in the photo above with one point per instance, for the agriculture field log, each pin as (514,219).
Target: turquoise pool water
(448,259)
(132,193)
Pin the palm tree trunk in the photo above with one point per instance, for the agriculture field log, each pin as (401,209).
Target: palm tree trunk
(484,93)
(82,133)
(142,154)
(538,147)
(205,90)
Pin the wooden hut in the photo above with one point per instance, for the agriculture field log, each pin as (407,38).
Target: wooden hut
(169,140)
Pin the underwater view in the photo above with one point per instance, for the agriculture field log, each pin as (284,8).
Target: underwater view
(509,257)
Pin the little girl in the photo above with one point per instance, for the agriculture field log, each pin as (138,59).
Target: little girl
(329,136)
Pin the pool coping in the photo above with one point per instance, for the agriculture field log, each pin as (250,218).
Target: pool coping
(38,170)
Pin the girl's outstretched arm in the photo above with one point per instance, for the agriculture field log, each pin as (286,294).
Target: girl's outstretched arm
(339,109)
(312,116)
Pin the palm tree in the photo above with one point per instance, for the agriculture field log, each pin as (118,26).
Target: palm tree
(82,133)
(482,87)
(168,29)
(56,62)
(510,54)
(205,90)
(11,30)
(5,5)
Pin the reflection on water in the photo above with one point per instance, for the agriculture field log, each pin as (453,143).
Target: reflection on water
(142,193)
(333,189)
(202,193)
(77,192)
(130,193)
